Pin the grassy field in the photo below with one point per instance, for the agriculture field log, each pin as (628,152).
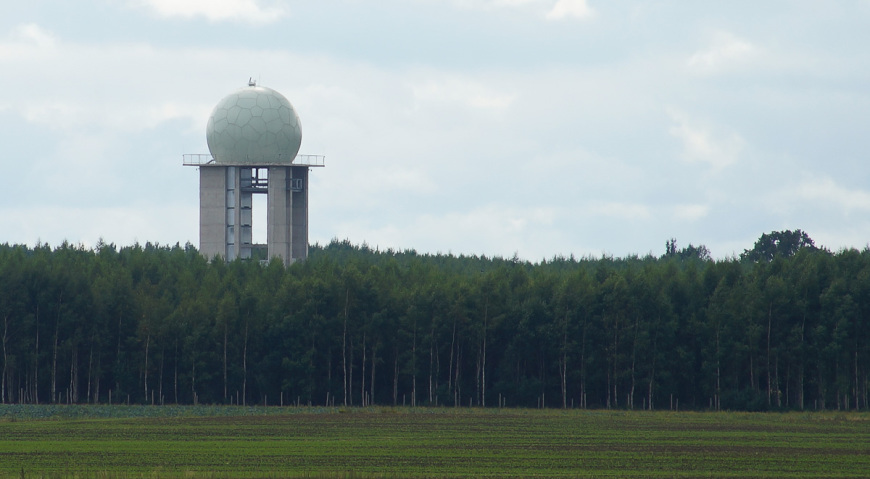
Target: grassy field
(152,442)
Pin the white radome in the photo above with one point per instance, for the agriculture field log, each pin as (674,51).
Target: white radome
(254,125)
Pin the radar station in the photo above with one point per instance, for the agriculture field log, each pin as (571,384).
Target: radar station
(253,137)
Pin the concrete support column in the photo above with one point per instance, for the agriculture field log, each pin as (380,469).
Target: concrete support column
(279,215)
(213,211)
(299,230)
(225,212)
(244,213)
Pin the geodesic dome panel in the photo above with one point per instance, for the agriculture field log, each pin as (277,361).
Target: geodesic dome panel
(254,125)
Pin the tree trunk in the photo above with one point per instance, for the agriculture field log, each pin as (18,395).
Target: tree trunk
(245,367)
(118,356)
(226,333)
(802,360)
(3,376)
(54,354)
(821,389)
(450,368)
(616,362)
(769,321)
(147,347)
(483,373)
(751,372)
(776,388)
(437,371)
(350,373)
(97,381)
(652,371)
(193,378)
(856,377)
(72,391)
(478,372)
(718,370)
(372,382)
(90,369)
(583,365)
(396,376)
(311,358)
(160,376)
(344,344)
(431,358)
(362,389)
(36,362)
(457,387)
(414,366)
(633,362)
(175,374)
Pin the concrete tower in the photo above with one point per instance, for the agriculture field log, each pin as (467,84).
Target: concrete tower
(253,137)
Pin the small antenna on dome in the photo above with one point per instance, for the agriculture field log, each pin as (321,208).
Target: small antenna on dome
(251,81)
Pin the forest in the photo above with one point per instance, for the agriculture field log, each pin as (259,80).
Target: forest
(781,327)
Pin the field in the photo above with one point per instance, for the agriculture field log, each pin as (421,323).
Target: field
(222,442)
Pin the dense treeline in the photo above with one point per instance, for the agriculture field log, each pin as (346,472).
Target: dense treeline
(782,327)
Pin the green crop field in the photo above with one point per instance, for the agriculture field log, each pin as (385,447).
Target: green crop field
(223,442)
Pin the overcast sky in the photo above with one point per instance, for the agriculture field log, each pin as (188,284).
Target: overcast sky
(535,127)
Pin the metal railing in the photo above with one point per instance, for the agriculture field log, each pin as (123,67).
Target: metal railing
(310,160)
(205,159)
(197,159)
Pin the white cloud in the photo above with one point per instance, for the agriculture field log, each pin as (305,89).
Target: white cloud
(251,11)
(490,4)
(166,111)
(382,183)
(74,116)
(833,214)
(725,52)
(461,91)
(56,115)
(702,145)
(32,33)
(621,210)
(570,8)
(827,190)
(690,212)
(489,229)
(165,224)
(562,9)
(71,90)
(26,42)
